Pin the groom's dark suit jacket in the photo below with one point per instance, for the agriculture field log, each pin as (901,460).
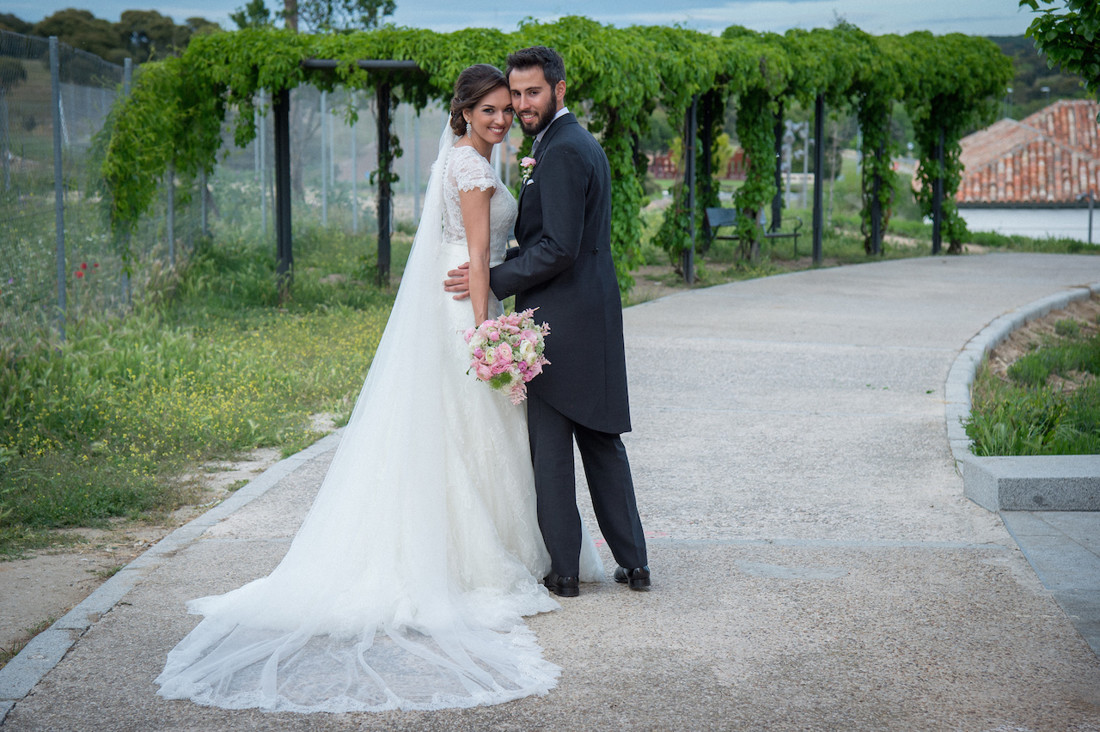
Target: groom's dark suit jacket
(563,267)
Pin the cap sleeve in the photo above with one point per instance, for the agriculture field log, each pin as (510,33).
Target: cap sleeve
(469,170)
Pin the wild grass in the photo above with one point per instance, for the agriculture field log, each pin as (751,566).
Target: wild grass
(99,426)
(1048,403)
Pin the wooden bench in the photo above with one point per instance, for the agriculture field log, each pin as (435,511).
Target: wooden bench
(719,217)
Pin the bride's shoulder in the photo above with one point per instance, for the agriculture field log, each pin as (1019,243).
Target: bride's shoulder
(467,154)
(469,169)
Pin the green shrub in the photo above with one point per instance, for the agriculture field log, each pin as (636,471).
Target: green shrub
(1026,415)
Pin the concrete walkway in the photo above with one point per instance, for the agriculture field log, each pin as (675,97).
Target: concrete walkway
(816,566)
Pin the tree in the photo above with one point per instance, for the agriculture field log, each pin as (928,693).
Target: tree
(81,29)
(327,16)
(199,26)
(1037,81)
(150,35)
(16,25)
(1070,37)
(142,35)
(253,15)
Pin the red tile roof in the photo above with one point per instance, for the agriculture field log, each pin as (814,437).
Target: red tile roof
(1051,157)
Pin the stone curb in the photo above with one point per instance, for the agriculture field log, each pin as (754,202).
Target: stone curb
(23,672)
(986,479)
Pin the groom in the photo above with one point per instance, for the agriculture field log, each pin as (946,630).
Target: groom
(563,267)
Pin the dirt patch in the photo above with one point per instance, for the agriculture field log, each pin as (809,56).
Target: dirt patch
(1025,339)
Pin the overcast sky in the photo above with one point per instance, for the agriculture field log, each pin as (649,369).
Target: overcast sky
(974,17)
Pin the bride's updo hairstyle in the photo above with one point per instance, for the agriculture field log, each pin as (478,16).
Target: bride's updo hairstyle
(472,84)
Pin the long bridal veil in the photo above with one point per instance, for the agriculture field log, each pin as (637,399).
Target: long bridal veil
(406,585)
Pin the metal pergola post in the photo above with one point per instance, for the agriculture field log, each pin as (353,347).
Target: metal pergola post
(876,207)
(281,111)
(688,257)
(937,198)
(58,183)
(706,142)
(819,165)
(384,192)
(777,199)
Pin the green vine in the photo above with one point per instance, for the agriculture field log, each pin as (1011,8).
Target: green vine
(958,92)
(616,77)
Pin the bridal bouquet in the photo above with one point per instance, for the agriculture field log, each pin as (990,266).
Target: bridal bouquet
(506,352)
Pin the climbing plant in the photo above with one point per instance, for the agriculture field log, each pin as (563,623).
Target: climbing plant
(875,88)
(693,68)
(756,109)
(615,78)
(957,92)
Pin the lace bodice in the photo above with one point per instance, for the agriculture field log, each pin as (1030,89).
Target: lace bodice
(465,171)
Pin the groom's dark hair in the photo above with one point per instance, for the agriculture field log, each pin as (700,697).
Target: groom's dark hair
(553,68)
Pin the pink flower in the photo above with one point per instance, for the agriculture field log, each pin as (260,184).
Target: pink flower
(506,352)
(526,165)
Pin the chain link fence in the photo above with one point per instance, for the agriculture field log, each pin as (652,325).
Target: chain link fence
(59,261)
(53,99)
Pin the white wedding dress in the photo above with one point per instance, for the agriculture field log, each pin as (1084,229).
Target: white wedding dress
(406,585)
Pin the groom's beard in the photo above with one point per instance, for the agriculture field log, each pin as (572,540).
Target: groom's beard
(543,118)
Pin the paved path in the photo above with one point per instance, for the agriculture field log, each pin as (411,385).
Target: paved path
(816,565)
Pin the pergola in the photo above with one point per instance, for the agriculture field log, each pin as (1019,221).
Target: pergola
(281,113)
(284,244)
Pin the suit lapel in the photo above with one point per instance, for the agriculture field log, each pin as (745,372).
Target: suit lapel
(544,147)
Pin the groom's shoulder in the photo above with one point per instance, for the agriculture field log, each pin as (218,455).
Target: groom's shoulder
(576,136)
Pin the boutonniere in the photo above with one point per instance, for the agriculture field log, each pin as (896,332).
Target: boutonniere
(526,166)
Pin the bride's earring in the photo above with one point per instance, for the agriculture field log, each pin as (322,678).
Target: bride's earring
(468,128)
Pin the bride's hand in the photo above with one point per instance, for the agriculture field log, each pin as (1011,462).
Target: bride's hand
(459,282)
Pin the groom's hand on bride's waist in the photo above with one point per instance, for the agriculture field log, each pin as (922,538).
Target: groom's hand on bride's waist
(458,281)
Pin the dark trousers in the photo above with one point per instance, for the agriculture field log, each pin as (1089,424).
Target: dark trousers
(608,473)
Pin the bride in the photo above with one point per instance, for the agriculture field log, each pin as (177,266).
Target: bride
(406,584)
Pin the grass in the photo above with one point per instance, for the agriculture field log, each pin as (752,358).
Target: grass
(1048,403)
(212,366)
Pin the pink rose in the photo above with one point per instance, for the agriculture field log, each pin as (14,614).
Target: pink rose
(484,372)
(527,162)
(504,353)
(494,336)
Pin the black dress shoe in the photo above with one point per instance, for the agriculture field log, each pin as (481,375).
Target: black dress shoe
(638,578)
(562,586)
